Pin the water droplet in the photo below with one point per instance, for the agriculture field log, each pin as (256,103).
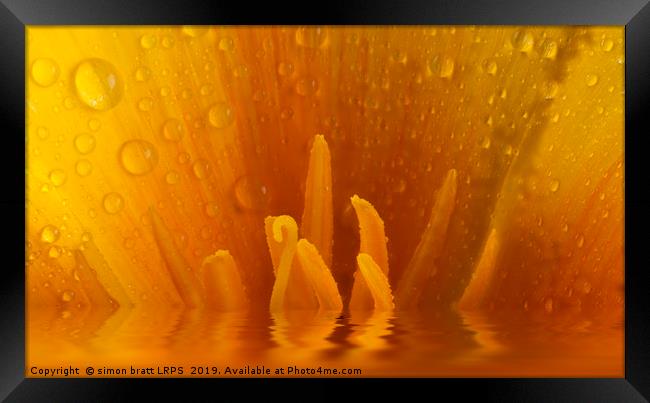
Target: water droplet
(607,44)
(86,237)
(172,177)
(113,203)
(311,37)
(201,169)
(58,177)
(550,89)
(581,241)
(84,143)
(548,305)
(165,91)
(554,185)
(591,80)
(206,89)
(586,287)
(522,41)
(549,49)
(54,252)
(98,84)
(251,194)
(145,104)
(401,186)
(138,157)
(285,69)
(226,44)
(94,124)
(66,314)
(286,113)
(83,167)
(212,209)
(67,295)
(490,67)
(42,132)
(307,86)
(148,41)
(442,66)
(142,74)
(485,142)
(221,115)
(194,31)
(45,72)
(173,130)
(167,42)
(50,234)
(565,227)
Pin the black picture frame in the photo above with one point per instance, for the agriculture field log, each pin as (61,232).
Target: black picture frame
(633,14)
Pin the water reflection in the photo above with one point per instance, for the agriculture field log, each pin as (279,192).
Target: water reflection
(381,344)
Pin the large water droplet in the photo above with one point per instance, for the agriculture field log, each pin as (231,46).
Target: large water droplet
(138,157)
(98,84)
(113,203)
(173,130)
(45,72)
(84,143)
(50,234)
(221,115)
(311,37)
(251,194)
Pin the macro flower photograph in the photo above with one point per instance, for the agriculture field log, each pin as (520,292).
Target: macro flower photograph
(364,201)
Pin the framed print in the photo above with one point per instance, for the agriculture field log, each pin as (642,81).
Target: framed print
(370,197)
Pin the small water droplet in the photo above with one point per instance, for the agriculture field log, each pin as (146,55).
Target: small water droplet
(42,132)
(84,143)
(226,44)
(173,130)
(251,194)
(98,84)
(148,41)
(311,37)
(113,203)
(581,241)
(45,72)
(212,209)
(142,74)
(554,185)
(607,44)
(94,124)
(591,80)
(67,295)
(201,169)
(490,67)
(58,177)
(167,42)
(145,104)
(172,177)
(54,252)
(442,66)
(286,113)
(307,86)
(522,41)
(285,69)
(221,115)
(549,49)
(194,31)
(138,157)
(83,167)
(550,89)
(50,234)
(548,305)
